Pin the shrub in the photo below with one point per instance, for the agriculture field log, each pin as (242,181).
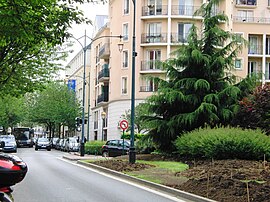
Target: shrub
(145,145)
(224,143)
(94,147)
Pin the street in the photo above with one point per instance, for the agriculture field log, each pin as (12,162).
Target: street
(51,178)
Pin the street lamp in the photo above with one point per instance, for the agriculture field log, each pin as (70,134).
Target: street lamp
(84,47)
(103,116)
(132,153)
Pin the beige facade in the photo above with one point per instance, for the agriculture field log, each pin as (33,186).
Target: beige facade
(161,25)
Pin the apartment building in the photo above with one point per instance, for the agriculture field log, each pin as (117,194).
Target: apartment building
(160,26)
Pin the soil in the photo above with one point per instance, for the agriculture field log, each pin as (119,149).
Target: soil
(220,180)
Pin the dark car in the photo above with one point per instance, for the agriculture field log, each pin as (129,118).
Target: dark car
(114,148)
(43,143)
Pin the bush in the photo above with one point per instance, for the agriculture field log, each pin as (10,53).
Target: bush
(137,136)
(94,147)
(224,143)
(145,145)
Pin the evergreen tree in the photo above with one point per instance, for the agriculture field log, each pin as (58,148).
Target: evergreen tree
(198,90)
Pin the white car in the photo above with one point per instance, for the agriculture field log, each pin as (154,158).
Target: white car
(71,144)
(10,143)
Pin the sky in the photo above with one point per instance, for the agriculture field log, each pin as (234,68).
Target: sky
(90,11)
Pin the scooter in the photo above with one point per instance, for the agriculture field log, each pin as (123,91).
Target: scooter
(12,171)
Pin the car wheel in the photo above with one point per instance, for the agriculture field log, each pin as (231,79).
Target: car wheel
(36,149)
(48,149)
(105,154)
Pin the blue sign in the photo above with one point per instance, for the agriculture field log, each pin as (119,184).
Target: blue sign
(71,85)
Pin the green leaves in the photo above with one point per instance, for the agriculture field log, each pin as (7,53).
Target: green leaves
(30,32)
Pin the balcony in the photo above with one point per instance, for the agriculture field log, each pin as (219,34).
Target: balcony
(104,51)
(251,19)
(184,10)
(152,10)
(103,98)
(176,38)
(151,66)
(246,2)
(148,88)
(104,74)
(255,49)
(154,38)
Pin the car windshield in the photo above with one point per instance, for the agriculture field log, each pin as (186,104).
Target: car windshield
(7,137)
(43,140)
(72,140)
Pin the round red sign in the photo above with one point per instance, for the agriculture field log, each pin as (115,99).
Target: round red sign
(124,124)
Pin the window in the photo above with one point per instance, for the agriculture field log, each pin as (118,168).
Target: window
(245,15)
(126,6)
(155,7)
(124,85)
(253,45)
(246,2)
(267,45)
(186,7)
(125,31)
(267,71)
(153,58)
(238,64)
(154,32)
(252,67)
(125,59)
(183,31)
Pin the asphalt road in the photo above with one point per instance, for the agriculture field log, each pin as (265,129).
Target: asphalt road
(51,178)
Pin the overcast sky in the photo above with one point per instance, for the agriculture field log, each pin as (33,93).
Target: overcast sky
(90,11)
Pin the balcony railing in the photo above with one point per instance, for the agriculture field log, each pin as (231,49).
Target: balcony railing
(176,38)
(151,65)
(104,73)
(152,10)
(251,19)
(154,38)
(184,10)
(246,2)
(104,51)
(148,88)
(255,49)
(104,97)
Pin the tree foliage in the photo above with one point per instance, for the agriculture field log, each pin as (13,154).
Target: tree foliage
(254,110)
(56,105)
(12,111)
(198,90)
(30,32)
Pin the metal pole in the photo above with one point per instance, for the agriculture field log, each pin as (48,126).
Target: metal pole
(88,122)
(132,153)
(83,101)
(102,129)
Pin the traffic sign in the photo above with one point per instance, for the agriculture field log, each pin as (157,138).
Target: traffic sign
(123,124)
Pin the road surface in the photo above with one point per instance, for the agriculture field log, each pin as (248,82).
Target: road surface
(51,178)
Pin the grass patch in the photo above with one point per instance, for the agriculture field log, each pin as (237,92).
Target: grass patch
(144,177)
(167,165)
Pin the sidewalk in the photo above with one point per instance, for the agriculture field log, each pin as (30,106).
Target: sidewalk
(75,156)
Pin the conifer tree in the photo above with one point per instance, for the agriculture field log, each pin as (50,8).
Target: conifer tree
(199,88)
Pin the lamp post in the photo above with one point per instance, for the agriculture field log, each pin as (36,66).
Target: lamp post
(132,153)
(84,47)
(103,116)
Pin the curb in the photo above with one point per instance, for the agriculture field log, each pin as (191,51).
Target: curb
(163,188)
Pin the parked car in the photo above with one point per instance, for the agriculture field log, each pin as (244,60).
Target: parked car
(63,144)
(57,144)
(71,144)
(10,143)
(54,140)
(43,143)
(115,148)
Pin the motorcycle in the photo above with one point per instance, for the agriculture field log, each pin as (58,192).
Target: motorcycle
(12,171)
